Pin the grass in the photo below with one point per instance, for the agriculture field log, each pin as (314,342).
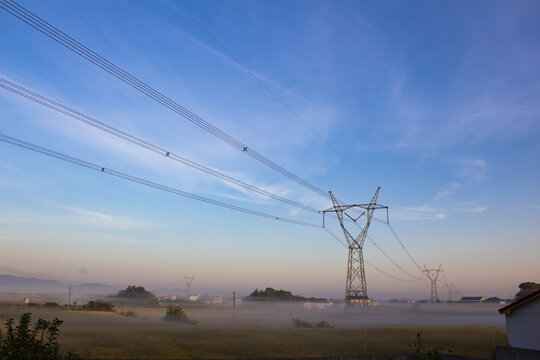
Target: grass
(113,336)
(175,341)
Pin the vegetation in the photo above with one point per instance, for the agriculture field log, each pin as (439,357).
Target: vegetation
(299,323)
(51,304)
(175,313)
(270,294)
(22,342)
(420,351)
(136,294)
(98,305)
(128,313)
(167,341)
(527,288)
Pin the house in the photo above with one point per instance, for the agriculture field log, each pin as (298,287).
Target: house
(523,322)
(472,299)
(317,305)
(495,300)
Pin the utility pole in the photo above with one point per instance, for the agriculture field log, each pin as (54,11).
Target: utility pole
(355,286)
(433,275)
(234,304)
(69,298)
(188,280)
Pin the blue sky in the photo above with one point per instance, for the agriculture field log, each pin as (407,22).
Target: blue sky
(437,102)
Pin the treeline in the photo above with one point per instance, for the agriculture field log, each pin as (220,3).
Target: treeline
(270,294)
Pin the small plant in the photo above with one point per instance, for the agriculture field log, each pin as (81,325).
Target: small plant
(420,352)
(299,323)
(98,305)
(129,313)
(175,313)
(22,342)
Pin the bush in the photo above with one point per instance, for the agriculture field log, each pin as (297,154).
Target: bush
(51,304)
(98,305)
(299,323)
(22,342)
(129,313)
(176,314)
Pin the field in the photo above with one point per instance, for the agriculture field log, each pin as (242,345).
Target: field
(265,331)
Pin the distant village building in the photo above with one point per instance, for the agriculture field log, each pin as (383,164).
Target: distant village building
(206,299)
(472,299)
(26,300)
(496,300)
(317,305)
(523,322)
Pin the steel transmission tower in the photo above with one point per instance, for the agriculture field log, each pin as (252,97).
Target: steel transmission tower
(355,288)
(188,280)
(433,275)
(451,289)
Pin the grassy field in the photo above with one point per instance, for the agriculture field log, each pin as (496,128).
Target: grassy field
(112,336)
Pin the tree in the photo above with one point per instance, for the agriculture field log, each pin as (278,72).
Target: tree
(176,314)
(136,294)
(98,305)
(22,342)
(527,288)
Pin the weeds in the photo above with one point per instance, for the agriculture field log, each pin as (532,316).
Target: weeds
(299,323)
(420,352)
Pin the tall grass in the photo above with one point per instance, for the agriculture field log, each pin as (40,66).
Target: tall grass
(181,341)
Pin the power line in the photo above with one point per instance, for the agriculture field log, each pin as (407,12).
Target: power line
(65,40)
(400,242)
(37,98)
(367,262)
(392,260)
(95,167)
(386,254)
(269,90)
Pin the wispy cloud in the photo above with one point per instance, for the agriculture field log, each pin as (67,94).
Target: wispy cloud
(100,219)
(469,172)
(417,213)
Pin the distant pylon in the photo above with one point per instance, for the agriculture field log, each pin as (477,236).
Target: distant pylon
(433,275)
(188,280)
(451,289)
(355,287)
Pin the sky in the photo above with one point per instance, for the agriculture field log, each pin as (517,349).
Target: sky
(436,102)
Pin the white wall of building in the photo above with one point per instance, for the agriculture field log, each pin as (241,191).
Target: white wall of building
(523,325)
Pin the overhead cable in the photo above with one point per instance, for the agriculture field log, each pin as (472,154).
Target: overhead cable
(400,242)
(392,260)
(78,48)
(367,262)
(37,98)
(269,90)
(118,174)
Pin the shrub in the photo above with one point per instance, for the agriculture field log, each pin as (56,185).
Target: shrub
(22,342)
(98,305)
(299,323)
(175,313)
(51,304)
(129,313)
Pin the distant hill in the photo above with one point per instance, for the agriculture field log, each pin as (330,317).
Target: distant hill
(19,284)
